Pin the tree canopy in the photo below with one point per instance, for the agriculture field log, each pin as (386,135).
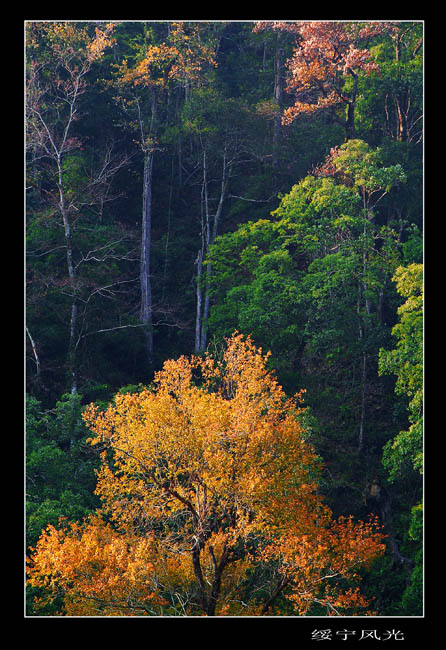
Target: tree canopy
(210,479)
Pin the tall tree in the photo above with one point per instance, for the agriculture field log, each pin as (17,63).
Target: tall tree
(161,62)
(324,70)
(403,456)
(60,56)
(360,166)
(219,136)
(406,362)
(207,484)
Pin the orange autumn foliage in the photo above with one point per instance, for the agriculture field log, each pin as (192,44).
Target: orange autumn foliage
(98,568)
(206,480)
(181,58)
(326,53)
(72,43)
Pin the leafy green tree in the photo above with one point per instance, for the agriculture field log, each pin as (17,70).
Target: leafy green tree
(403,456)
(359,165)
(406,362)
(390,104)
(59,467)
(320,255)
(60,473)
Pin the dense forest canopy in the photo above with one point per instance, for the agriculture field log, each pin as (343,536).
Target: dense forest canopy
(224,283)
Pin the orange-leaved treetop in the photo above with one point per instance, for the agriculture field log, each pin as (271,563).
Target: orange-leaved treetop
(209,504)
(326,55)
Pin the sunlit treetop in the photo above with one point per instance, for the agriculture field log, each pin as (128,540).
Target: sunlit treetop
(182,57)
(206,479)
(326,52)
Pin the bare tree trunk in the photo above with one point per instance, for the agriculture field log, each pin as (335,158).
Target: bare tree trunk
(218,573)
(36,356)
(278,96)
(205,239)
(199,263)
(363,372)
(211,231)
(363,394)
(148,145)
(72,345)
(350,123)
(146,235)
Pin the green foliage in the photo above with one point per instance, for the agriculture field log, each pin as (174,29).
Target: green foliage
(363,165)
(403,455)
(413,247)
(399,82)
(413,595)
(406,362)
(60,475)
(412,599)
(293,281)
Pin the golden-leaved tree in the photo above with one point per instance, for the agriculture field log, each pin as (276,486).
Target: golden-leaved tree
(210,504)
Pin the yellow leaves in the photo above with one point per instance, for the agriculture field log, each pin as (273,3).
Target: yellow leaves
(73,43)
(181,57)
(96,566)
(103,39)
(193,472)
(234,440)
(409,281)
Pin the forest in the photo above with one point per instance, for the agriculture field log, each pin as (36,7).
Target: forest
(224,318)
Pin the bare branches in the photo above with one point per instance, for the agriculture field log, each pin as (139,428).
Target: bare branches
(36,356)
(108,252)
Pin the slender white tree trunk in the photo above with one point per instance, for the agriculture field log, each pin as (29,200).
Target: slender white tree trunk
(208,238)
(278,96)
(199,263)
(72,344)
(146,234)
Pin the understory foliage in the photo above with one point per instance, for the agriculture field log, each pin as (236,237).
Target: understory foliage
(208,486)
